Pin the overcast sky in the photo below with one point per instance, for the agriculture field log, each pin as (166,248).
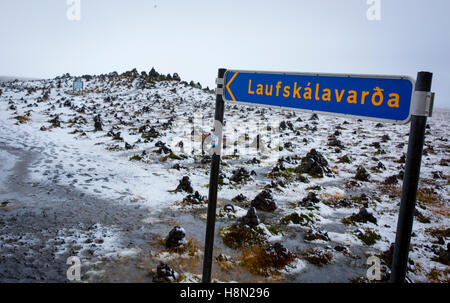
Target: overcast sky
(194,38)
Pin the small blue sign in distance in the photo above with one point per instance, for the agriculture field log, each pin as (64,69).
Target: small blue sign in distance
(78,85)
(383,98)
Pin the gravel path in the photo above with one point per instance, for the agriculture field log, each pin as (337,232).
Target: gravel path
(41,225)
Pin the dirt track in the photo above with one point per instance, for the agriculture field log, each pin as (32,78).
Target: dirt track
(35,213)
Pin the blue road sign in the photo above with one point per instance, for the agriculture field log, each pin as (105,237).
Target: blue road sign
(384,98)
(78,85)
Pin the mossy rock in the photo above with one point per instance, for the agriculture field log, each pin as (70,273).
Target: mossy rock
(295,218)
(347,221)
(239,236)
(439,232)
(136,158)
(344,159)
(421,218)
(274,230)
(173,157)
(369,237)
(266,261)
(22,119)
(318,257)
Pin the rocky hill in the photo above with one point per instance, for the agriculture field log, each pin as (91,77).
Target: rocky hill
(109,173)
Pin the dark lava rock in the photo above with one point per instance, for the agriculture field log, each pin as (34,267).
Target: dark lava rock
(335,143)
(376,145)
(314,164)
(380,166)
(196,198)
(228,208)
(309,200)
(280,256)
(302,179)
(363,216)
(340,248)
(175,238)
(444,255)
(343,203)
(165,274)
(362,174)
(151,133)
(98,126)
(239,198)
(345,159)
(224,258)
(240,175)
(278,167)
(177,166)
(162,148)
(128,146)
(185,185)
(144,129)
(117,136)
(318,256)
(284,125)
(312,235)
(275,184)
(421,218)
(206,159)
(438,175)
(385,138)
(388,254)
(251,218)
(264,201)
(222,176)
(288,145)
(314,117)
(55,122)
(364,197)
(253,161)
(391,180)
(241,235)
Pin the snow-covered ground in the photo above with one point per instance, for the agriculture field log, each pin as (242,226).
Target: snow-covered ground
(49,149)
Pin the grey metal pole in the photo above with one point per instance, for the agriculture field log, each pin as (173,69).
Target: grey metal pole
(213,185)
(410,185)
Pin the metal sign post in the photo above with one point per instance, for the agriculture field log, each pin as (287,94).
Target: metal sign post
(380,98)
(422,108)
(214,181)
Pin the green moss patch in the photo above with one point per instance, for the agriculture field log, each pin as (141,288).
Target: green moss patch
(136,158)
(317,256)
(295,218)
(239,236)
(368,237)
(266,261)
